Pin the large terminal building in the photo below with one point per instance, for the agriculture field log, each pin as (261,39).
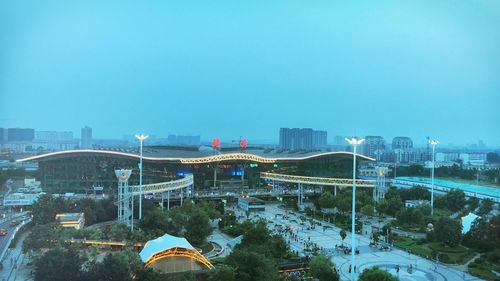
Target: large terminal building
(81,170)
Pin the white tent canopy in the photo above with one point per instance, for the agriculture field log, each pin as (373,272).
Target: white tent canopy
(163,243)
(467,222)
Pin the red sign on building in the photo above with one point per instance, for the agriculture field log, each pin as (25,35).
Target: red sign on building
(216,143)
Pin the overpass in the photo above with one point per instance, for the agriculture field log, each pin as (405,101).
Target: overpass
(301,180)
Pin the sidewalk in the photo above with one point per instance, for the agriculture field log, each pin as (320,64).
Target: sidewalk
(15,266)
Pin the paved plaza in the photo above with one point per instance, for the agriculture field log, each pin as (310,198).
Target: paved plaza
(412,267)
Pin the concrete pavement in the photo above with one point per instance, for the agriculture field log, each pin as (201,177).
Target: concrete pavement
(412,267)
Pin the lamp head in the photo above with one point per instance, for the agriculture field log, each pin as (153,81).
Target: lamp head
(141,137)
(433,142)
(354,141)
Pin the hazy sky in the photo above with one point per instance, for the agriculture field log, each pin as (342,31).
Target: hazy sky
(231,68)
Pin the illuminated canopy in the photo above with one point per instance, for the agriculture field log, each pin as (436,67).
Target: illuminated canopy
(171,246)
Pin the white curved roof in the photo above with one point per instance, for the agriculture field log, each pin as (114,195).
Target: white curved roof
(260,156)
(163,243)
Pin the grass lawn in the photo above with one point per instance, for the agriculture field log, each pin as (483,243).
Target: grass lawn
(438,213)
(455,255)
(412,246)
(484,270)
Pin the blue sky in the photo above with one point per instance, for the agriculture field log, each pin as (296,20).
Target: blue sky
(231,68)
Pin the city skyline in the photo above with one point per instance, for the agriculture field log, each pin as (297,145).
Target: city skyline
(167,68)
(332,139)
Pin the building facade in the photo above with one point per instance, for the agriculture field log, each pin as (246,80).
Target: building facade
(302,139)
(373,146)
(402,143)
(86,142)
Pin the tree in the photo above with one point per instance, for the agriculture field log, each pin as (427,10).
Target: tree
(376,274)
(343,201)
(473,203)
(367,210)
(448,231)
(149,274)
(322,268)
(478,237)
(251,266)
(46,207)
(486,207)
(411,216)
(119,231)
(375,237)
(155,220)
(223,273)
(198,227)
(455,200)
(326,200)
(118,266)
(394,205)
(59,264)
(44,236)
(343,235)
(382,207)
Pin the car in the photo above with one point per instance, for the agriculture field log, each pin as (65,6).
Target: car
(14,222)
(3,232)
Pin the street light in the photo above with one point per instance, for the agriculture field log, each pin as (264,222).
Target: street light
(141,138)
(354,142)
(433,143)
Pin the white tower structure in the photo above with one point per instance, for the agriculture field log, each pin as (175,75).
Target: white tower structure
(380,188)
(125,198)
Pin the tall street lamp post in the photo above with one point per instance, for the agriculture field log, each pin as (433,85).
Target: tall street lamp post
(141,138)
(354,142)
(433,143)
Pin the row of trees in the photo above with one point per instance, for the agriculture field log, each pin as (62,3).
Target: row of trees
(69,263)
(484,235)
(47,206)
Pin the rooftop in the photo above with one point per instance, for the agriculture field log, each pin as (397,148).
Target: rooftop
(201,154)
(163,243)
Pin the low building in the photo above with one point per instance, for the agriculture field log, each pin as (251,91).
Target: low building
(416,203)
(75,220)
(20,199)
(251,204)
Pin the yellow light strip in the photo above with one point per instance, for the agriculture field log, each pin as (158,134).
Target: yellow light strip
(316,180)
(179,252)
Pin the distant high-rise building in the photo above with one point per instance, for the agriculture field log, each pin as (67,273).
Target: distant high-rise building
(306,138)
(320,139)
(373,146)
(183,140)
(402,143)
(20,135)
(52,140)
(3,135)
(86,137)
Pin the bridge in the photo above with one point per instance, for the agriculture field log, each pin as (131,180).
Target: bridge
(301,180)
(126,193)
(185,182)
(316,180)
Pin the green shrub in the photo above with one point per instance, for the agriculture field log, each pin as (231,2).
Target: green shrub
(445,258)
